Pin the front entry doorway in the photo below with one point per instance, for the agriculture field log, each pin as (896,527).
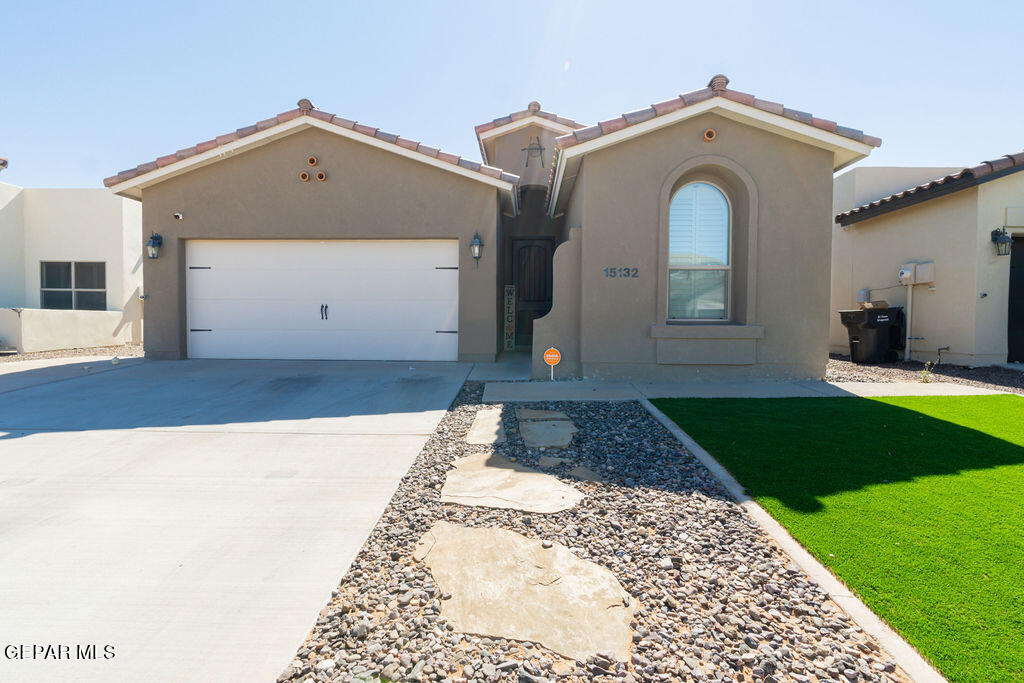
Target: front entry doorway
(531,275)
(1015,322)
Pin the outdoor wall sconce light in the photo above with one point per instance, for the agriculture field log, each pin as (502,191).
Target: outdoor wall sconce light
(153,245)
(476,248)
(1002,241)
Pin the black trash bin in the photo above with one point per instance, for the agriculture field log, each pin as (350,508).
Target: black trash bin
(876,334)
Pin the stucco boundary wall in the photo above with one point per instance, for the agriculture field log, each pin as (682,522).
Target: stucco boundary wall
(560,328)
(35,329)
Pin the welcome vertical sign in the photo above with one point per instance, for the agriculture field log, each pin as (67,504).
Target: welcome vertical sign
(510,318)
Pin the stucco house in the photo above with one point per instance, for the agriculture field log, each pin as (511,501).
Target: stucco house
(70,268)
(966,225)
(680,240)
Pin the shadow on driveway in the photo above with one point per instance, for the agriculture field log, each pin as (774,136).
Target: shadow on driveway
(269,396)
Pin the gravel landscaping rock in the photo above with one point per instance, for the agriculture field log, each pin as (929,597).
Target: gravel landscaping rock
(842,369)
(715,599)
(126,351)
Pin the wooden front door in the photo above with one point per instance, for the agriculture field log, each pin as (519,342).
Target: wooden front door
(531,274)
(1015,322)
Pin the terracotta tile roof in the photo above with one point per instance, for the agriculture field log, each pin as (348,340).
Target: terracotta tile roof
(961,180)
(305,108)
(532,109)
(715,88)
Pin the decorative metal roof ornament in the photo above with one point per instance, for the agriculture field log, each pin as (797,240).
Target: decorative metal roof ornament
(533,150)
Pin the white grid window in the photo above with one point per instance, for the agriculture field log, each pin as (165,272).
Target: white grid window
(698,261)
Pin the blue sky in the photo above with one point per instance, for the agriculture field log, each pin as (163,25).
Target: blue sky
(92,88)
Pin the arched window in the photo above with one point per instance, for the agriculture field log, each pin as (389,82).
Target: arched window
(698,254)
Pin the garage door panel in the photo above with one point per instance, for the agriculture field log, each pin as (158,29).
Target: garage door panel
(425,315)
(333,345)
(260,283)
(281,284)
(388,300)
(330,255)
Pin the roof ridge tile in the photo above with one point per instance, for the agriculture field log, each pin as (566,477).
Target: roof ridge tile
(1011,163)
(717,87)
(526,113)
(306,109)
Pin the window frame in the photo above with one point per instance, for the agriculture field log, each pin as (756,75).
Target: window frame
(726,268)
(72,289)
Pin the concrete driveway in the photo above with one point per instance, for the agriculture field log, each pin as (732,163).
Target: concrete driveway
(195,515)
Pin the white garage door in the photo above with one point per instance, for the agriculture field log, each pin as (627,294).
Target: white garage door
(331,300)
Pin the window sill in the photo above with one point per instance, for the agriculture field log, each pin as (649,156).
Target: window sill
(699,330)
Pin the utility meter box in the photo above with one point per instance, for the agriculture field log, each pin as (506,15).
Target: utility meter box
(924,273)
(916,273)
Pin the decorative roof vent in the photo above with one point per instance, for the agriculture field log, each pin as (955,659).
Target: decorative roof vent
(718,83)
(305,105)
(533,107)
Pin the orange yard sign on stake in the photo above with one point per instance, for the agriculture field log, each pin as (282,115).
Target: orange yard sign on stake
(552,357)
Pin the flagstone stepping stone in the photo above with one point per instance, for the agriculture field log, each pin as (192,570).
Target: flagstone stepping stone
(487,428)
(551,461)
(547,433)
(493,481)
(527,414)
(585,474)
(505,585)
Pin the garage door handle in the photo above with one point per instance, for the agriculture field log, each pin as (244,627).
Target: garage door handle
(321,311)
(327,311)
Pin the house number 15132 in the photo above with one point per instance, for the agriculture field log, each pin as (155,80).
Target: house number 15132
(611,271)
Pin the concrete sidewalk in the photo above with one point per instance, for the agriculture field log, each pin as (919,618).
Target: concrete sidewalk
(597,390)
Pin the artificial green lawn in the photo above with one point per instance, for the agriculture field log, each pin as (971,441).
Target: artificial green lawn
(917,503)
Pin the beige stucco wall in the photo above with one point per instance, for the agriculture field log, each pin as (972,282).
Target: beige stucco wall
(10,328)
(369,194)
(993,273)
(851,189)
(867,183)
(869,254)
(560,328)
(87,225)
(966,308)
(506,151)
(12,253)
(39,224)
(34,329)
(780,191)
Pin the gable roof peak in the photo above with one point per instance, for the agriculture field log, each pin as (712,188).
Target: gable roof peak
(715,90)
(718,82)
(306,115)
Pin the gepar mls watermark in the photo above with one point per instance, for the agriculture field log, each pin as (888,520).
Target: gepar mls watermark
(59,651)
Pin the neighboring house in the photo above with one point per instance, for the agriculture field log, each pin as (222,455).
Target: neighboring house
(971,311)
(681,240)
(70,269)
